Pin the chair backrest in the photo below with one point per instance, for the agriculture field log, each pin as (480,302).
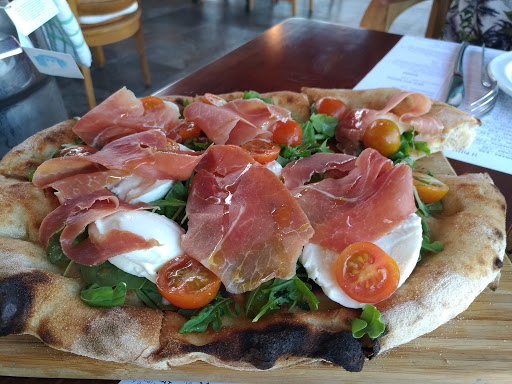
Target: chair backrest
(379,17)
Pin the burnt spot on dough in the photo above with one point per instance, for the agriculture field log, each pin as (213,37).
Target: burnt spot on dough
(262,348)
(16,297)
(44,331)
(180,101)
(498,263)
(498,234)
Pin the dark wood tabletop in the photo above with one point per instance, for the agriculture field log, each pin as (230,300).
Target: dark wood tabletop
(293,54)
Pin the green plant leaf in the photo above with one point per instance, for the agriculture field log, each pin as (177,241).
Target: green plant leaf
(368,323)
(210,314)
(97,296)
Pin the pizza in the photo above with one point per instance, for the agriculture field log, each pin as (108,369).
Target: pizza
(248,231)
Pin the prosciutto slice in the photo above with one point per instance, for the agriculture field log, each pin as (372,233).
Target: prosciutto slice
(147,154)
(120,115)
(297,173)
(236,122)
(404,107)
(244,225)
(372,199)
(74,215)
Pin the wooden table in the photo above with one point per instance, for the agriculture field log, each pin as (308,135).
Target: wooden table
(293,54)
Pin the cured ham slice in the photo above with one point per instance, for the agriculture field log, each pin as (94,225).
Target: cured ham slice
(74,215)
(405,107)
(236,122)
(372,199)
(148,154)
(244,225)
(120,115)
(297,173)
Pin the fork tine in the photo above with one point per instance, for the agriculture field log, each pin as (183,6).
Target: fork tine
(485,108)
(489,96)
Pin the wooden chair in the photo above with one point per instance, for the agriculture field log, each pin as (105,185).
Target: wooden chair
(379,17)
(109,31)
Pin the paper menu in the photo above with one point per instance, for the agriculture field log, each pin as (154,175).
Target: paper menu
(426,65)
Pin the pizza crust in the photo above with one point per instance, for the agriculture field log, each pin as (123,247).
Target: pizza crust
(459,127)
(36,299)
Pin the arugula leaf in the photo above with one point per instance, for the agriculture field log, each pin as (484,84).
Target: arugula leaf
(255,95)
(324,125)
(97,296)
(30,175)
(406,143)
(54,251)
(427,246)
(174,203)
(275,293)
(210,314)
(196,145)
(108,275)
(320,127)
(150,295)
(368,323)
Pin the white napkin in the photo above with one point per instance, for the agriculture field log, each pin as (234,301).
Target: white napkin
(63,34)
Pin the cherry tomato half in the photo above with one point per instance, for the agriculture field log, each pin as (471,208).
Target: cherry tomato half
(332,107)
(211,99)
(430,190)
(149,102)
(382,135)
(186,283)
(187,130)
(263,151)
(77,150)
(366,273)
(287,132)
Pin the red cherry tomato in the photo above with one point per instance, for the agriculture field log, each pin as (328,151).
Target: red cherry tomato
(288,132)
(186,283)
(263,151)
(382,135)
(187,130)
(77,150)
(366,273)
(211,99)
(353,119)
(430,190)
(332,107)
(150,101)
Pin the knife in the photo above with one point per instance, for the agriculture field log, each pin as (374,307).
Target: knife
(456,88)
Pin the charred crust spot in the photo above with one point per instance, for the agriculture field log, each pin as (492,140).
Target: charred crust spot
(499,234)
(498,263)
(180,101)
(45,333)
(504,207)
(262,348)
(16,297)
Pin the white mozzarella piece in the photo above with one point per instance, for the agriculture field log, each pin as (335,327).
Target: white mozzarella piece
(136,189)
(171,104)
(403,244)
(275,167)
(143,262)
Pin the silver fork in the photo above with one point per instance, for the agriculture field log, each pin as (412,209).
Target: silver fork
(487,102)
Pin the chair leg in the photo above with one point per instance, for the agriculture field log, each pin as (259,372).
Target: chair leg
(139,40)
(310,5)
(89,90)
(294,8)
(98,55)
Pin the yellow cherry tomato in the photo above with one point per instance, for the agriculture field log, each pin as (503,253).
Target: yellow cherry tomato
(382,135)
(430,190)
